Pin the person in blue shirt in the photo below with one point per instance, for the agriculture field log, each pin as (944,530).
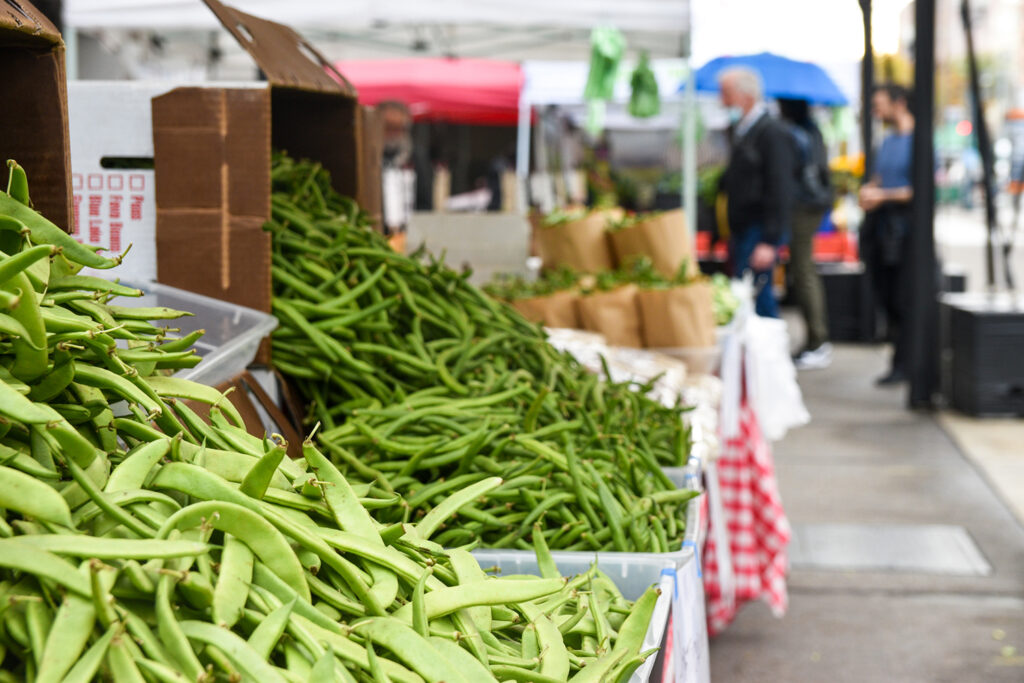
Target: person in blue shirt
(886,200)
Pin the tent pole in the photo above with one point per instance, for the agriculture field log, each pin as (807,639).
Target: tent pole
(689,151)
(922,314)
(70,35)
(984,147)
(867,84)
(523,155)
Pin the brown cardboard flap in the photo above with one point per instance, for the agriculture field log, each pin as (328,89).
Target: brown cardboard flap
(322,127)
(21,23)
(200,188)
(281,53)
(371,149)
(213,192)
(315,112)
(212,149)
(34,118)
(202,255)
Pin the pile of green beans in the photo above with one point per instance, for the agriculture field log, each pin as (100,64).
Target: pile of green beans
(274,570)
(423,383)
(140,542)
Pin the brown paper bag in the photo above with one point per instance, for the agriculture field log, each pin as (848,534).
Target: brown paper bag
(678,317)
(614,314)
(582,245)
(554,310)
(663,238)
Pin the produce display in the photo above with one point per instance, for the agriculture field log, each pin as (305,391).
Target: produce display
(425,385)
(725,301)
(627,220)
(639,272)
(141,542)
(515,287)
(563,216)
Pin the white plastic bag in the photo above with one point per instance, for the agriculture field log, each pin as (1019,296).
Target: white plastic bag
(771,377)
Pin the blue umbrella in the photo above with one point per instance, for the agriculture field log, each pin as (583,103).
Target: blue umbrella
(782,77)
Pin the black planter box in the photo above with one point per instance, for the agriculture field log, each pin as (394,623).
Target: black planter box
(983,355)
(849,302)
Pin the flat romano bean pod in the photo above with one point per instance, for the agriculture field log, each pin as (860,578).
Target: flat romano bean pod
(237,650)
(266,542)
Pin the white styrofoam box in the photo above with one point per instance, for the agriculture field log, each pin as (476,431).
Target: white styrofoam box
(114,207)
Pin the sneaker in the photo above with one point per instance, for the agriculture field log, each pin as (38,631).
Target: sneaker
(895,376)
(815,359)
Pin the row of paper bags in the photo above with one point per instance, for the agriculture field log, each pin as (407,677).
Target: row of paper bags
(671,317)
(587,245)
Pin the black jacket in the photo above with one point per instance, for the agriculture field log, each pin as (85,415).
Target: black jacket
(759,180)
(813,179)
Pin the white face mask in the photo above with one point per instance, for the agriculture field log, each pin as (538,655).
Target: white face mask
(735,114)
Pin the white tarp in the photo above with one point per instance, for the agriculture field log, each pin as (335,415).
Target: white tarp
(657,16)
(562,82)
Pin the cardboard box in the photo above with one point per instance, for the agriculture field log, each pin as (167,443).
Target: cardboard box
(371,189)
(112,175)
(212,154)
(34,118)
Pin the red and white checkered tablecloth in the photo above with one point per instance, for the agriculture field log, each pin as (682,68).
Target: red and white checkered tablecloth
(755,525)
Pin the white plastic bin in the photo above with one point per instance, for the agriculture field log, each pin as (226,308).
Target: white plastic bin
(633,573)
(233,332)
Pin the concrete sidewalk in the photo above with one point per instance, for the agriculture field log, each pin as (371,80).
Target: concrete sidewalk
(867,461)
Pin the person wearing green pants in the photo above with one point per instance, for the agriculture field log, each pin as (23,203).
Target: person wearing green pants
(813,198)
(810,295)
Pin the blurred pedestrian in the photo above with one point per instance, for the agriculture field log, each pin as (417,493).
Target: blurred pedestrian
(812,200)
(757,183)
(886,200)
(399,151)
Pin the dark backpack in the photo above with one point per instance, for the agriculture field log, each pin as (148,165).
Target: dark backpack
(813,184)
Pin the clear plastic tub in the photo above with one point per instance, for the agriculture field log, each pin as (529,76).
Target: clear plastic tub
(233,333)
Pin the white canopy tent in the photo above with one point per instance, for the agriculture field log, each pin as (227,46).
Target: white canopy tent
(370,29)
(636,15)
(521,30)
(562,83)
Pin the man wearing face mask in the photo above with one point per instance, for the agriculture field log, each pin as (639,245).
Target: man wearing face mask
(758,183)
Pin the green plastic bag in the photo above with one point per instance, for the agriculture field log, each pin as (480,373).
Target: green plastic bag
(643,100)
(606,48)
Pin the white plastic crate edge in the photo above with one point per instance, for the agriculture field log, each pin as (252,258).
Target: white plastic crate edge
(655,636)
(227,360)
(631,572)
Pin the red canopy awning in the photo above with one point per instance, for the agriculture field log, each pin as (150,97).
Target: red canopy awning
(473,91)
